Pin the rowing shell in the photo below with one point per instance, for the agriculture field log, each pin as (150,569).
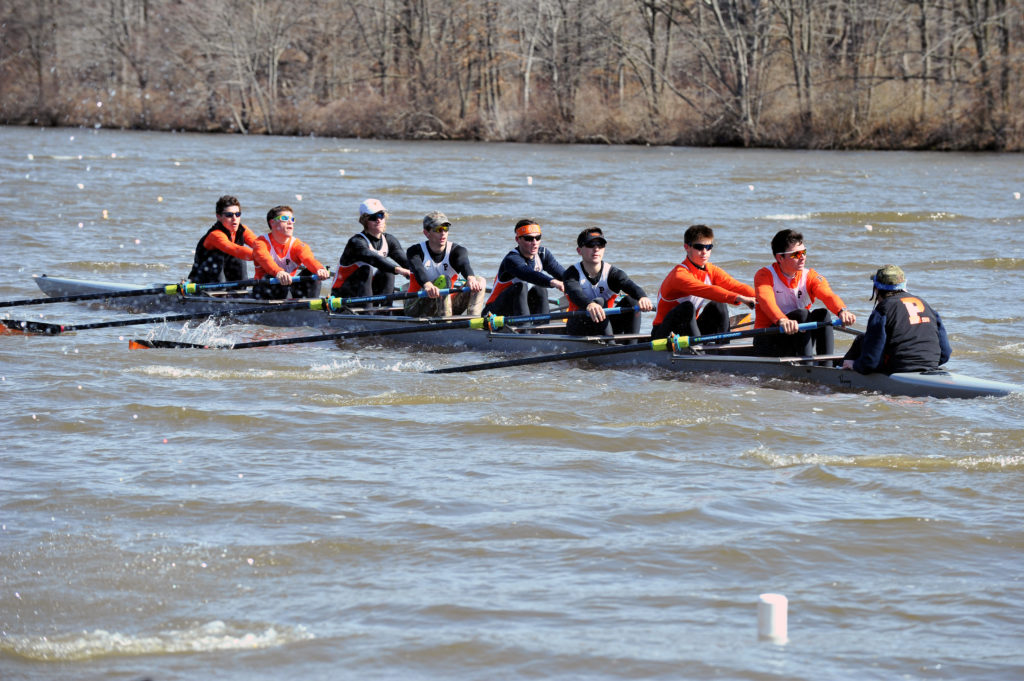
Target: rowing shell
(736,358)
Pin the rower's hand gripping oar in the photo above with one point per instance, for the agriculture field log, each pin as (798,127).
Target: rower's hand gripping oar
(331,303)
(490,322)
(169,289)
(673,342)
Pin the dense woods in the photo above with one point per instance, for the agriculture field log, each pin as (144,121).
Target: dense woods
(932,74)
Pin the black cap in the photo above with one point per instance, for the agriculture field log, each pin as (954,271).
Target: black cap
(592,236)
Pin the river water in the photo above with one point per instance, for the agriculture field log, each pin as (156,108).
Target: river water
(327,511)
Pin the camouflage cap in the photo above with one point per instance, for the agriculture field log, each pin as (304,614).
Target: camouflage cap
(890,278)
(435,219)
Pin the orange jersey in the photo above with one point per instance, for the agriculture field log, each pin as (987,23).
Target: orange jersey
(289,256)
(687,281)
(217,240)
(770,309)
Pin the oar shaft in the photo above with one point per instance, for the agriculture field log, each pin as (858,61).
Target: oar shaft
(680,342)
(660,344)
(338,303)
(168,289)
(498,321)
(54,329)
(671,343)
(317,304)
(473,323)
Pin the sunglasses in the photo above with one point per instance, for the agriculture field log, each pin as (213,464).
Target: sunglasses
(531,238)
(795,255)
(232,214)
(285,218)
(702,247)
(595,243)
(440,228)
(376,216)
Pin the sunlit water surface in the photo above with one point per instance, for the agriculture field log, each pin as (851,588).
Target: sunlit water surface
(327,511)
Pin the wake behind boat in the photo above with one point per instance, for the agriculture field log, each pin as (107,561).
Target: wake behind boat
(736,358)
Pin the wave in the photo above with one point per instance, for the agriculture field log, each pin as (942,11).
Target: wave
(99,643)
(898,462)
(868,217)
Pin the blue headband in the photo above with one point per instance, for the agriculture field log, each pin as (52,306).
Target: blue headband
(902,286)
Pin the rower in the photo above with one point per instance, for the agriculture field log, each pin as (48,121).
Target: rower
(524,275)
(904,333)
(371,258)
(225,248)
(785,292)
(593,285)
(279,254)
(694,298)
(438,263)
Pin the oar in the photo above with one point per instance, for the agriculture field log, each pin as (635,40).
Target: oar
(169,289)
(673,342)
(53,329)
(331,303)
(489,322)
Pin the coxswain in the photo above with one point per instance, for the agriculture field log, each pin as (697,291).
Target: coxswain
(903,334)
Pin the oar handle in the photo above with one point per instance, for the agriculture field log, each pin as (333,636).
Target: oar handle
(339,303)
(682,342)
(188,288)
(495,322)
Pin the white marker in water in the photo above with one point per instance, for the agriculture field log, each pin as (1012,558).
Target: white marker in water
(341,171)
(868,227)
(1016,195)
(772,618)
(529,179)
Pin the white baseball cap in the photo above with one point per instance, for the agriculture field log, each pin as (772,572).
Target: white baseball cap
(371,206)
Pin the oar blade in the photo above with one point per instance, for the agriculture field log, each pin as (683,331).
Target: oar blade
(146,344)
(13,326)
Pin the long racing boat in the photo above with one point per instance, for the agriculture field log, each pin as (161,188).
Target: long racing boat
(735,358)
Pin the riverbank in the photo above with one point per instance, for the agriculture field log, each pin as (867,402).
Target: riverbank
(398,121)
(799,75)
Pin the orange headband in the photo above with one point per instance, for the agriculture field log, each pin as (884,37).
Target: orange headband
(527,229)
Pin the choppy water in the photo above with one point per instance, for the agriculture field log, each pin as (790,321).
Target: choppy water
(327,511)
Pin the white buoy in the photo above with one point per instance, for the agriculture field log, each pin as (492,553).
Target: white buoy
(529,179)
(772,615)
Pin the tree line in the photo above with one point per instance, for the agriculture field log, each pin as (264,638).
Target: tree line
(906,74)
